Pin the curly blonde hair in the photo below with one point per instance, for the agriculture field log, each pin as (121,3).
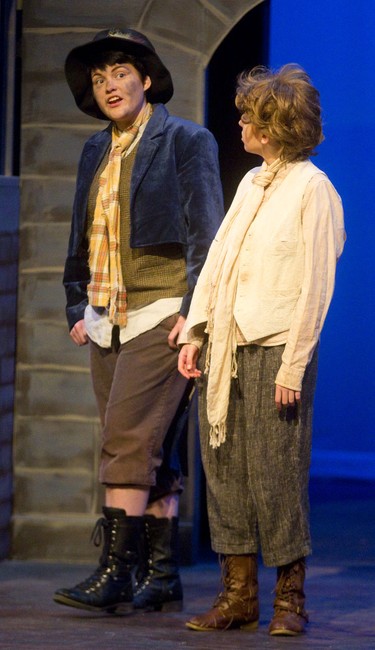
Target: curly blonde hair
(285,106)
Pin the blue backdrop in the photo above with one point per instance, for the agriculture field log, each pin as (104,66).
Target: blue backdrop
(335,42)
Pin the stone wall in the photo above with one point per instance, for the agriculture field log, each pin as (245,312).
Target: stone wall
(56,439)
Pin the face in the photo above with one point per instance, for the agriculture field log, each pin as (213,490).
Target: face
(251,137)
(120,92)
(254,141)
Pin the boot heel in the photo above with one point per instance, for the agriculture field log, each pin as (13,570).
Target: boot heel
(173,606)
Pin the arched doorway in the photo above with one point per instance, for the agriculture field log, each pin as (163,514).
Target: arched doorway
(244,47)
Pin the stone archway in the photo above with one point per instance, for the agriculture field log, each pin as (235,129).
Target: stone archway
(56,496)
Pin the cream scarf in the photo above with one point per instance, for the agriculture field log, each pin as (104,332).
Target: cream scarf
(214,298)
(107,288)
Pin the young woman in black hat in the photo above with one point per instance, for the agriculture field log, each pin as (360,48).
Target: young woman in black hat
(148,204)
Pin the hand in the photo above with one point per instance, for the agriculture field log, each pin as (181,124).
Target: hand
(174,333)
(78,333)
(285,397)
(187,361)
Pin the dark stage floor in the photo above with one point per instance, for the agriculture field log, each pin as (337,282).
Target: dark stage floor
(340,589)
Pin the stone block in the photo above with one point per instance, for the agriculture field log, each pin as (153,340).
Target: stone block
(43,244)
(57,537)
(188,97)
(47,98)
(41,295)
(48,392)
(47,492)
(48,342)
(52,148)
(44,53)
(57,443)
(184,24)
(85,13)
(47,101)
(234,10)
(48,199)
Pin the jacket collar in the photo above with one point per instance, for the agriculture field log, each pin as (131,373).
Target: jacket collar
(154,128)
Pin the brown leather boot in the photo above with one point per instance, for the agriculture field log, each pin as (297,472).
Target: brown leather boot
(290,617)
(237,605)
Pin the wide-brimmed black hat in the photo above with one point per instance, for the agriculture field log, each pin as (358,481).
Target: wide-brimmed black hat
(129,41)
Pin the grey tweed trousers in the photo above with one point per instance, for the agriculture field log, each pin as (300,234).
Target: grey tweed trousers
(257,481)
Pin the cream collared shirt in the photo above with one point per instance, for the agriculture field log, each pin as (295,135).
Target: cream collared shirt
(287,271)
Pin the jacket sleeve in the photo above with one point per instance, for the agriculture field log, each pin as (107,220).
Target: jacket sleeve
(202,202)
(76,272)
(75,280)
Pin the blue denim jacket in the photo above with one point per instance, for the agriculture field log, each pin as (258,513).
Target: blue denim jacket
(175,197)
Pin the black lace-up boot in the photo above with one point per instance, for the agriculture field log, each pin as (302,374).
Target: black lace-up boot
(111,584)
(158,584)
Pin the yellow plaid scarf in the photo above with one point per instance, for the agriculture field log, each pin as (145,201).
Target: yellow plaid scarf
(107,288)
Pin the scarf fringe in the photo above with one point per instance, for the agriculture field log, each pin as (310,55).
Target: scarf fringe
(218,434)
(234,367)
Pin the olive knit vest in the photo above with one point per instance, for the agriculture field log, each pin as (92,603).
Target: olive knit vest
(149,273)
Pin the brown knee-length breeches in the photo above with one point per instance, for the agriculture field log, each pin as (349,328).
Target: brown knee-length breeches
(138,390)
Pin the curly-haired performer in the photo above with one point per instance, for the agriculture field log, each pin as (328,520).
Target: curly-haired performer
(261,300)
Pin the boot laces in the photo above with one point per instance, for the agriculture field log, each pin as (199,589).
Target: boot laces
(95,580)
(288,592)
(230,595)
(104,533)
(287,587)
(100,574)
(97,534)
